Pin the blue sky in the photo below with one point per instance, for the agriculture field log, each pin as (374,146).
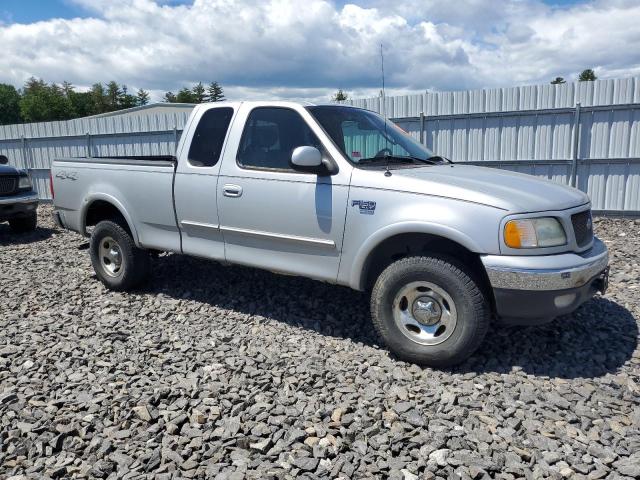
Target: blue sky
(307,49)
(29,11)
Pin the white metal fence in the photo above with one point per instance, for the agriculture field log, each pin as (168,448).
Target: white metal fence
(585,134)
(34,145)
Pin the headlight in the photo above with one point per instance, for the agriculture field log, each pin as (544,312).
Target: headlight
(24,182)
(534,232)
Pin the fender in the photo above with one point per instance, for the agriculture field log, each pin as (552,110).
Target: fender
(357,269)
(92,197)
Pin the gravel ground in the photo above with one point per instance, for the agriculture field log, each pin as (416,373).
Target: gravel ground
(227,372)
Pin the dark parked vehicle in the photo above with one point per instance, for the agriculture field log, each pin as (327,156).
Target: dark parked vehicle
(18,200)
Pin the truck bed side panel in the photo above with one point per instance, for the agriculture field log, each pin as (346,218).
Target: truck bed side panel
(143,192)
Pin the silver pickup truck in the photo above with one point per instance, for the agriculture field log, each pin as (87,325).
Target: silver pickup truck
(338,194)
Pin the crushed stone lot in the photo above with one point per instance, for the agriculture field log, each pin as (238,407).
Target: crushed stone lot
(226,372)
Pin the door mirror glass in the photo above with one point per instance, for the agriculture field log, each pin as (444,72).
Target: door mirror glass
(306,157)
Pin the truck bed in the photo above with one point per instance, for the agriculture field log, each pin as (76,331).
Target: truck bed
(141,186)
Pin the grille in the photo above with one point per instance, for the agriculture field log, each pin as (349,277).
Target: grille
(582,227)
(8,185)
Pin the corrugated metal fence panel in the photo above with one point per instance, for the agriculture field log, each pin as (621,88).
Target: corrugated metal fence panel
(98,125)
(531,128)
(529,97)
(534,126)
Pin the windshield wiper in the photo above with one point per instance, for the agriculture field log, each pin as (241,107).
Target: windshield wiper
(398,159)
(440,158)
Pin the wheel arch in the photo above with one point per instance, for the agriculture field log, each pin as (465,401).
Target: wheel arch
(103,206)
(408,239)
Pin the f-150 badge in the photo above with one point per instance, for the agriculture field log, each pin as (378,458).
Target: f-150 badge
(367,207)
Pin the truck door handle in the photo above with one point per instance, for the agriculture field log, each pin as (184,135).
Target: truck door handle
(230,190)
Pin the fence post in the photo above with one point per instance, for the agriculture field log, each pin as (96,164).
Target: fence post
(89,154)
(23,151)
(575,146)
(422,128)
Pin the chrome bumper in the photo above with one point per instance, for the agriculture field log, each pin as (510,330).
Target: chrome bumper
(26,197)
(546,272)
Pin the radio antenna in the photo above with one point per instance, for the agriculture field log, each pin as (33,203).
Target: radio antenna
(387,172)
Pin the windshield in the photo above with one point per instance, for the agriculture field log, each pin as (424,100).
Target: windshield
(362,137)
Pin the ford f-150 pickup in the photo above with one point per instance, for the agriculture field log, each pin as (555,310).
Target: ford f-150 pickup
(341,195)
(18,200)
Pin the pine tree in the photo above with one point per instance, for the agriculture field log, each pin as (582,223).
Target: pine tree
(558,81)
(216,93)
(199,93)
(98,99)
(340,96)
(126,100)
(587,75)
(113,95)
(142,97)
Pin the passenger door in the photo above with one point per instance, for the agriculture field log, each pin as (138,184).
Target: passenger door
(271,215)
(196,182)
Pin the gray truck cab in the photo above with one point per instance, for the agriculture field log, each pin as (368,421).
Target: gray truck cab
(339,194)
(18,200)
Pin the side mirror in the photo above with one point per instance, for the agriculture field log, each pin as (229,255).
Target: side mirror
(3,160)
(306,158)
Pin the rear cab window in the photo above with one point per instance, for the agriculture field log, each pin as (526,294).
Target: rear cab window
(208,138)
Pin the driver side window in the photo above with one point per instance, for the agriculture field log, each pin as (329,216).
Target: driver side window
(270,136)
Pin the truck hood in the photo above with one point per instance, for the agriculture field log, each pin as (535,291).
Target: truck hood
(8,170)
(511,191)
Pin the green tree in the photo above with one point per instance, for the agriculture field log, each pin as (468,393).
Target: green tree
(81,103)
(113,97)
(126,100)
(142,97)
(199,93)
(98,99)
(185,95)
(215,92)
(41,102)
(558,81)
(9,104)
(340,96)
(587,75)
(170,97)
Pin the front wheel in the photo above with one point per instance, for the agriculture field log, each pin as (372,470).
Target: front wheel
(118,263)
(429,311)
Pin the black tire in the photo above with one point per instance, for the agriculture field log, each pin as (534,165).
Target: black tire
(134,264)
(470,304)
(24,224)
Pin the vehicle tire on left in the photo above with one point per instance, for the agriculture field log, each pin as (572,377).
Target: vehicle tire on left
(116,259)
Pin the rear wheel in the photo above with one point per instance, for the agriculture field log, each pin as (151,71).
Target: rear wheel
(118,263)
(24,224)
(429,311)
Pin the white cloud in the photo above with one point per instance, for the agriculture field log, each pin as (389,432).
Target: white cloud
(309,48)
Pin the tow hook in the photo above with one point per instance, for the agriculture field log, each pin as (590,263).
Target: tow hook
(601,283)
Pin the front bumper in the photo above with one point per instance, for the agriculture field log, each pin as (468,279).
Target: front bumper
(20,205)
(535,289)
